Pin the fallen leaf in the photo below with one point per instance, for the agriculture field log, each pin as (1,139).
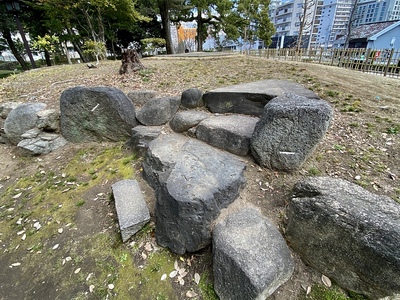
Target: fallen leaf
(196,278)
(110,286)
(173,274)
(91,288)
(60,230)
(181,281)
(163,277)
(326,281)
(77,270)
(15,265)
(308,290)
(17,196)
(55,246)
(88,277)
(181,271)
(144,256)
(191,294)
(148,247)
(176,266)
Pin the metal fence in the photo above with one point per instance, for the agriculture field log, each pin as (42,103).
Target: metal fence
(385,62)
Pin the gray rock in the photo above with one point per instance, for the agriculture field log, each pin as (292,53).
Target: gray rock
(185,120)
(162,155)
(7,107)
(31,134)
(41,143)
(348,234)
(250,98)
(289,130)
(49,120)
(142,136)
(96,114)
(158,111)
(131,208)
(193,182)
(230,133)
(21,119)
(251,258)
(192,98)
(142,96)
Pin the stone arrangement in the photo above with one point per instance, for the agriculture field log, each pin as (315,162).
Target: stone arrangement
(196,171)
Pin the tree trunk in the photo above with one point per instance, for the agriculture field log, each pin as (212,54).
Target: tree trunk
(47,58)
(130,62)
(166,25)
(18,57)
(200,38)
(77,48)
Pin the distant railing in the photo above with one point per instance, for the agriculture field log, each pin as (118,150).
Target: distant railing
(385,62)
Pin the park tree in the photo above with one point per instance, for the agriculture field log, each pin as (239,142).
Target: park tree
(8,29)
(249,20)
(305,20)
(208,15)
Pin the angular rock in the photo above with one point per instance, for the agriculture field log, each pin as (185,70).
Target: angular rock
(158,111)
(7,107)
(192,98)
(131,208)
(347,233)
(193,182)
(21,119)
(289,130)
(142,136)
(230,133)
(250,98)
(96,114)
(251,258)
(40,143)
(49,120)
(185,120)
(142,96)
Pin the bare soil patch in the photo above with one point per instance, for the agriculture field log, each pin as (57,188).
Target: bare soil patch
(362,146)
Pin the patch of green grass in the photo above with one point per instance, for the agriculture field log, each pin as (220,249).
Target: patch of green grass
(314,171)
(331,93)
(80,203)
(393,130)
(320,292)
(207,288)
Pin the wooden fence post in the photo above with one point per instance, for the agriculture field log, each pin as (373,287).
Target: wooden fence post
(389,61)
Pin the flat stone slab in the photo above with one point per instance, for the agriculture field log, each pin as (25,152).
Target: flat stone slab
(251,258)
(131,207)
(347,233)
(230,133)
(250,98)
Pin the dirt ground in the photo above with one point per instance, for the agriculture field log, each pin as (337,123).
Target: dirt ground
(361,146)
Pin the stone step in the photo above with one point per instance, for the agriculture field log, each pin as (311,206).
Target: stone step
(132,210)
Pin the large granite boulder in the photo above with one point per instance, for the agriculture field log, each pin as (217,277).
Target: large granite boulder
(348,234)
(158,111)
(251,258)
(231,133)
(21,119)
(192,98)
(289,130)
(187,119)
(96,114)
(250,98)
(192,182)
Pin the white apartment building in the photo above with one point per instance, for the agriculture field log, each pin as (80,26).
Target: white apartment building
(286,17)
(372,11)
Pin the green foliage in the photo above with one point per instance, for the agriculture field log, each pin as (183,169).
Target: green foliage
(150,44)
(320,292)
(46,43)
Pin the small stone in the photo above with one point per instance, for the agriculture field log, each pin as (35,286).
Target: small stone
(110,286)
